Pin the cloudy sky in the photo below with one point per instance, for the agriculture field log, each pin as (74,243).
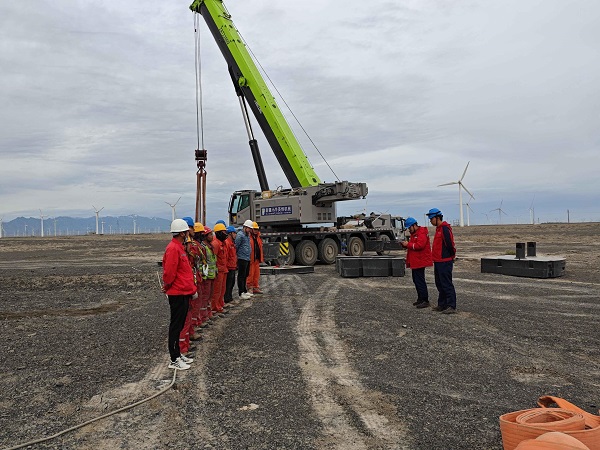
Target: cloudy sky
(99,104)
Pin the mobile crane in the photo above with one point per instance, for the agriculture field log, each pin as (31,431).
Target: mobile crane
(284,214)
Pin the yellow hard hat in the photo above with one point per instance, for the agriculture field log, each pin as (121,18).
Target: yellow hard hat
(198,227)
(255,225)
(219,227)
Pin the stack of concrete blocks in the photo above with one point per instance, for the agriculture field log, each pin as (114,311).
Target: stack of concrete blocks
(525,263)
(370,266)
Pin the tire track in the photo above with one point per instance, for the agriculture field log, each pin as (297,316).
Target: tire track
(352,416)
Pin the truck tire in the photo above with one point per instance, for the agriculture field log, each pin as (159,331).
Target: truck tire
(384,238)
(328,250)
(306,253)
(356,246)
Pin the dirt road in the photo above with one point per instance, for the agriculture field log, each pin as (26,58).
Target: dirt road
(318,362)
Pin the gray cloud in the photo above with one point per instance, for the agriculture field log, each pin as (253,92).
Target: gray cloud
(99,104)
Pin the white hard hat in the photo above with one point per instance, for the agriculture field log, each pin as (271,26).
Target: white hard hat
(248,223)
(179,225)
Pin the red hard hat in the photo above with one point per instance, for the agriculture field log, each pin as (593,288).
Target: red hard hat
(207,230)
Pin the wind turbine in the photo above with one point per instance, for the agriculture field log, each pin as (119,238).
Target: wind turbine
(173,208)
(42,222)
(468,215)
(97,211)
(532,212)
(461,186)
(500,212)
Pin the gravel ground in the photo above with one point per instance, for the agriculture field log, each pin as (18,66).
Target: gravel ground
(318,362)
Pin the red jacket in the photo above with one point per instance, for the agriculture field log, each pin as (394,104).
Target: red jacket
(221,254)
(231,254)
(443,243)
(418,252)
(178,277)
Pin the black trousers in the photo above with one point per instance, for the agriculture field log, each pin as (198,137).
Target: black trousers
(243,270)
(443,281)
(229,283)
(418,277)
(179,307)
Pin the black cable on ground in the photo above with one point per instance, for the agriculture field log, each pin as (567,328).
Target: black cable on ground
(125,408)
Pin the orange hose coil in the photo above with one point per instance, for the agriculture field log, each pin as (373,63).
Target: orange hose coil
(553,440)
(530,423)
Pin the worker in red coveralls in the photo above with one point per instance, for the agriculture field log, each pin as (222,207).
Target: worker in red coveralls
(231,264)
(199,261)
(256,257)
(209,273)
(178,284)
(217,301)
(418,256)
(443,253)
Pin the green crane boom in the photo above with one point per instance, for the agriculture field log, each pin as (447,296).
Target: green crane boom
(251,86)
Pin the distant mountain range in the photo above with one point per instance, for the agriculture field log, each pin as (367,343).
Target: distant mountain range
(70,226)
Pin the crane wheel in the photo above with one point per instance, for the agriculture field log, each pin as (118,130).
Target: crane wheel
(306,253)
(356,246)
(328,250)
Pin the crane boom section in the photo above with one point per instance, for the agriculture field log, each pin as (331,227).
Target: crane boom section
(250,83)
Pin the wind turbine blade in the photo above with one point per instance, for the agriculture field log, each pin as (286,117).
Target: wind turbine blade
(465,188)
(531,206)
(448,184)
(463,175)
(177,201)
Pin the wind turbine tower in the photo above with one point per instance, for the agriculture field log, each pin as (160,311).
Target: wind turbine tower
(173,214)
(468,215)
(532,212)
(97,211)
(500,212)
(1,227)
(461,186)
(42,223)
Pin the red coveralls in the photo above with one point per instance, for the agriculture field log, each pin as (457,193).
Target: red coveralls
(216,300)
(231,267)
(191,319)
(252,282)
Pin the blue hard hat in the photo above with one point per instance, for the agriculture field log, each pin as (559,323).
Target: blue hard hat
(220,221)
(230,229)
(409,222)
(189,221)
(434,212)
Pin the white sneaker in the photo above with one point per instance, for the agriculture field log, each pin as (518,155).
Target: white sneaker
(250,294)
(186,360)
(178,364)
(245,296)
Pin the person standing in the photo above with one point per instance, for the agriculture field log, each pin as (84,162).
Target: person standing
(178,284)
(194,305)
(209,273)
(231,263)
(418,256)
(242,248)
(256,257)
(218,245)
(443,255)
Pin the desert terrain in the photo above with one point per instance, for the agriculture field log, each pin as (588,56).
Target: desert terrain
(317,362)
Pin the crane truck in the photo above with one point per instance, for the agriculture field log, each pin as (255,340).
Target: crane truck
(304,215)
